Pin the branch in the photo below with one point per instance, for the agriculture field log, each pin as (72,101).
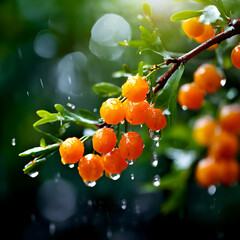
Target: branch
(233,30)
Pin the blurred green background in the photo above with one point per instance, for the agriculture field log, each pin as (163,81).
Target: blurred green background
(35,38)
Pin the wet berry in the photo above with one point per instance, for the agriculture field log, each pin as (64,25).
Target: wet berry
(104,140)
(235,56)
(71,150)
(112,111)
(131,145)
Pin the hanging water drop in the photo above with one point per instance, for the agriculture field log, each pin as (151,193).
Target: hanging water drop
(184,108)
(90,183)
(52,229)
(166,112)
(123,204)
(114,176)
(156,180)
(157,143)
(211,189)
(33,174)
(13,142)
(154,135)
(130,161)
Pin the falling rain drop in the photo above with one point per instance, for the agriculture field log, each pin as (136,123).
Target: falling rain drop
(13,142)
(156,180)
(223,82)
(52,229)
(90,183)
(28,93)
(154,135)
(33,174)
(123,204)
(20,53)
(132,176)
(211,189)
(114,176)
(154,159)
(70,105)
(41,82)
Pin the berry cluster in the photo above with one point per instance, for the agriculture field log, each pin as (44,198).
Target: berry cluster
(207,79)
(220,136)
(135,109)
(199,31)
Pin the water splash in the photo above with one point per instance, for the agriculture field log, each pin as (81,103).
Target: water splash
(156,180)
(154,159)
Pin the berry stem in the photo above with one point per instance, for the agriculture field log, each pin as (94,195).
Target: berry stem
(233,30)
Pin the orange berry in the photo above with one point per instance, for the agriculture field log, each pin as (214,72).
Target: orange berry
(224,145)
(192,27)
(113,162)
(204,130)
(229,118)
(207,78)
(206,35)
(112,111)
(104,140)
(135,89)
(206,172)
(235,56)
(71,150)
(154,119)
(134,112)
(131,145)
(228,171)
(90,167)
(190,96)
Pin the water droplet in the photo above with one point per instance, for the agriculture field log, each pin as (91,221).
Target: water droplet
(69,79)
(90,183)
(114,176)
(52,228)
(28,93)
(70,105)
(157,143)
(95,110)
(132,176)
(69,97)
(13,142)
(109,234)
(156,180)
(184,108)
(123,204)
(20,53)
(211,189)
(223,82)
(130,161)
(71,165)
(166,112)
(41,82)
(141,125)
(123,121)
(89,203)
(33,174)
(154,135)
(232,93)
(155,159)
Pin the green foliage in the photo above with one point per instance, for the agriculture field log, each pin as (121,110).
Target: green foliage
(104,89)
(186,14)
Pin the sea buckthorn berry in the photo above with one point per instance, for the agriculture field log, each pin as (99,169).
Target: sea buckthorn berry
(190,96)
(134,112)
(229,118)
(235,56)
(113,162)
(155,119)
(228,171)
(112,111)
(192,27)
(90,167)
(204,130)
(207,78)
(135,89)
(104,140)
(71,150)
(224,145)
(131,145)
(206,35)
(206,172)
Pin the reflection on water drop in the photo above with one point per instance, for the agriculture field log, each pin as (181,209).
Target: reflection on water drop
(13,142)
(123,204)
(156,180)
(71,165)
(33,174)
(154,159)
(157,143)
(211,189)
(130,161)
(154,135)
(90,183)
(114,176)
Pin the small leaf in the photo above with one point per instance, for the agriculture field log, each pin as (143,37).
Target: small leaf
(147,10)
(134,43)
(105,89)
(43,113)
(167,97)
(51,118)
(186,14)
(146,35)
(43,143)
(33,165)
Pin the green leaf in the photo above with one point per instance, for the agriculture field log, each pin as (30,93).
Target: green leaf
(186,14)
(147,10)
(146,35)
(167,97)
(160,49)
(36,151)
(51,118)
(104,89)
(134,43)
(32,166)
(140,68)
(43,113)
(207,2)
